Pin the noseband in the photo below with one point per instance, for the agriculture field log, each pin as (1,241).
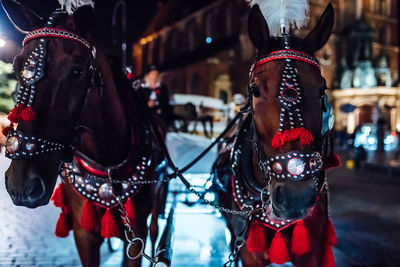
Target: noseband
(20,145)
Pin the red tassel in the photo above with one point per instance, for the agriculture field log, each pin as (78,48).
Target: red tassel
(291,135)
(109,227)
(15,114)
(300,241)
(330,238)
(7,129)
(277,252)
(277,141)
(332,161)
(329,260)
(130,209)
(28,114)
(256,240)
(89,217)
(63,225)
(58,196)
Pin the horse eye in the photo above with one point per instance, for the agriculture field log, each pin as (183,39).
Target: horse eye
(77,72)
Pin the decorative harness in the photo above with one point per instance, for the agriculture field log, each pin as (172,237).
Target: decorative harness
(292,166)
(106,186)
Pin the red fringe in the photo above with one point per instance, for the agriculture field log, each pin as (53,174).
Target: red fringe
(109,227)
(291,135)
(277,252)
(332,161)
(89,217)
(330,238)
(28,114)
(300,240)
(58,196)
(7,129)
(256,240)
(130,209)
(277,140)
(329,260)
(15,114)
(63,225)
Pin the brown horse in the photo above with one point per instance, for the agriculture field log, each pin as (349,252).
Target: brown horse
(272,166)
(77,113)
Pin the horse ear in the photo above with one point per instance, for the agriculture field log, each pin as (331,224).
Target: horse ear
(85,20)
(23,18)
(258,28)
(321,32)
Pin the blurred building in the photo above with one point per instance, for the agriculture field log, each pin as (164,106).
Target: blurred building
(203,48)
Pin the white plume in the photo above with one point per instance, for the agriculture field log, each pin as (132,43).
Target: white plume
(71,5)
(290,13)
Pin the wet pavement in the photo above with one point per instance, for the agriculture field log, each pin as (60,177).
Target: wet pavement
(365,209)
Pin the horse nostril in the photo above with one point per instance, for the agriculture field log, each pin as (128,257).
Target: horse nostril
(279,197)
(36,189)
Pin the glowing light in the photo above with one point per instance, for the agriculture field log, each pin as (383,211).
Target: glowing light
(209,40)
(371,140)
(2,42)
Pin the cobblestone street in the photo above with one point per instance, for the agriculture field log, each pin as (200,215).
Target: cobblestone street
(364,209)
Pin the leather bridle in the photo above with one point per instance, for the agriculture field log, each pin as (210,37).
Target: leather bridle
(22,145)
(292,166)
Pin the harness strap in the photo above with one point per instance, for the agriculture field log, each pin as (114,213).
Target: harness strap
(55,32)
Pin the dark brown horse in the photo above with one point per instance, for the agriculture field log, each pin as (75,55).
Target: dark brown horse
(272,166)
(75,110)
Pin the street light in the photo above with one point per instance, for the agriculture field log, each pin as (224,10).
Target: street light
(2,42)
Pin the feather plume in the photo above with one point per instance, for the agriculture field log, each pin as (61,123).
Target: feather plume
(292,14)
(71,5)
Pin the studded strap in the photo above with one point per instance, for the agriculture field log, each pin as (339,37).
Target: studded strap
(54,32)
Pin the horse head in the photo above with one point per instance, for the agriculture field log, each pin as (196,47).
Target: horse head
(287,93)
(56,71)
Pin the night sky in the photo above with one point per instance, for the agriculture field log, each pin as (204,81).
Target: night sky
(139,13)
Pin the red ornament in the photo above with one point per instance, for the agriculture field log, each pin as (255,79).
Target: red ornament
(329,260)
(256,240)
(291,135)
(7,129)
(109,227)
(89,217)
(63,225)
(28,114)
(58,196)
(300,240)
(15,114)
(277,252)
(130,209)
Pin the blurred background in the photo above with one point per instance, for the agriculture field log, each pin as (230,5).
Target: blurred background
(203,55)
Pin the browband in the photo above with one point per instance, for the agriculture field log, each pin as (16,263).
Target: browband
(287,54)
(54,32)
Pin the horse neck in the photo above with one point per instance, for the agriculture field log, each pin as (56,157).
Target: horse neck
(110,139)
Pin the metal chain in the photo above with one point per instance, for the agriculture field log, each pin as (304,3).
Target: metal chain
(131,236)
(239,242)
(248,212)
